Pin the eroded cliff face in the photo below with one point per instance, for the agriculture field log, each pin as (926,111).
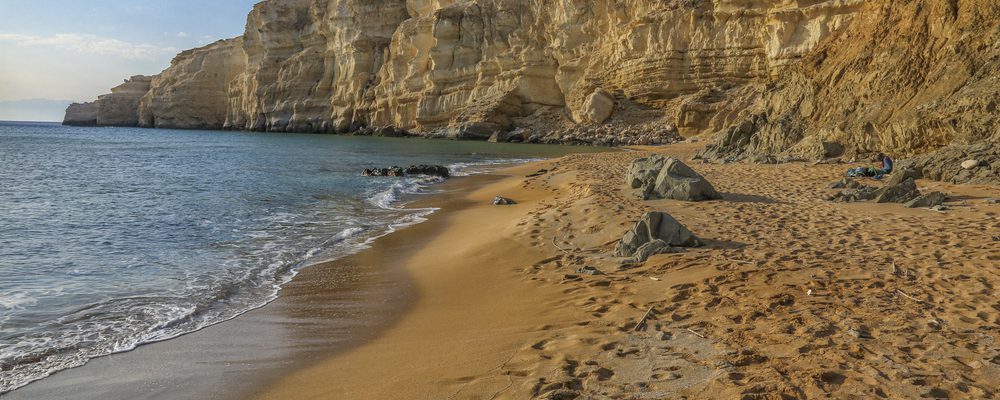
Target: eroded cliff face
(118,108)
(193,92)
(906,77)
(775,77)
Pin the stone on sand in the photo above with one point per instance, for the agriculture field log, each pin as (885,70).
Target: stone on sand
(927,201)
(669,178)
(901,175)
(503,201)
(655,227)
(901,193)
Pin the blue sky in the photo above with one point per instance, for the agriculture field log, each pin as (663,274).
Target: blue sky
(74,50)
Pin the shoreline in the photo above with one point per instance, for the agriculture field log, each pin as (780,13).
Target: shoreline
(758,312)
(356,296)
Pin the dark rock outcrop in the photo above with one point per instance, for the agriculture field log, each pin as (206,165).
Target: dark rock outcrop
(891,193)
(429,170)
(946,164)
(391,171)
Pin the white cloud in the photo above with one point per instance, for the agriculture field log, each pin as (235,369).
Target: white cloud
(182,34)
(90,44)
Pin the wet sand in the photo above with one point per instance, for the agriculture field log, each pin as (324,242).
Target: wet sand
(792,297)
(326,309)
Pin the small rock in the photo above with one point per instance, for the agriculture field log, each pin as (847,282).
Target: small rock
(503,201)
(970,164)
(939,208)
(538,173)
(588,270)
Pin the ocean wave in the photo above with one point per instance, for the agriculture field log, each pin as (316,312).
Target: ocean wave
(213,297)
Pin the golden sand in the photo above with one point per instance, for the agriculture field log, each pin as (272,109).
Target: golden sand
(792,297)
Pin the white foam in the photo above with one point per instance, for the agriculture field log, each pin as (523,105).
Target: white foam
(258,287)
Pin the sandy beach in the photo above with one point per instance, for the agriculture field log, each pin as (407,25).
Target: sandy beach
(791,297)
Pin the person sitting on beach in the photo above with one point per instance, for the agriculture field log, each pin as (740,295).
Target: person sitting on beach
(883,167)
(886,164)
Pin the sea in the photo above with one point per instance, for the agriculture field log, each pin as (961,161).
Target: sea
(111,238)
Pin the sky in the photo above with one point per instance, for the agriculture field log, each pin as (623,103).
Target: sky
(53,52)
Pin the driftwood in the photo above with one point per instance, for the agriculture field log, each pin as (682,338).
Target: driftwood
(910,297)
(696,333)
(642,321)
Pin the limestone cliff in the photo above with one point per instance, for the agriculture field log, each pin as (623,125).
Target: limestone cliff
(774,77)
(118,108)
(81,114)
(192,93)
(473,68)
(121,106)
(906,77)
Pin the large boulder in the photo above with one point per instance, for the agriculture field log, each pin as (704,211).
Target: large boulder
(668,178)
(643,172)
(900,193)
(901,175)
(598,107)
(655,227)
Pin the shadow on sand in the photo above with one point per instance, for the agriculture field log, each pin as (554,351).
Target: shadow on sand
(749,198)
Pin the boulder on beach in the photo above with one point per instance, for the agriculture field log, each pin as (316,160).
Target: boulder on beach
(598,107)
(899,193)
(901,175)
(668,178)
(929,200)
(655,227)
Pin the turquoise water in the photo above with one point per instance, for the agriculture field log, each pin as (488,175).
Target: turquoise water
(114,237)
